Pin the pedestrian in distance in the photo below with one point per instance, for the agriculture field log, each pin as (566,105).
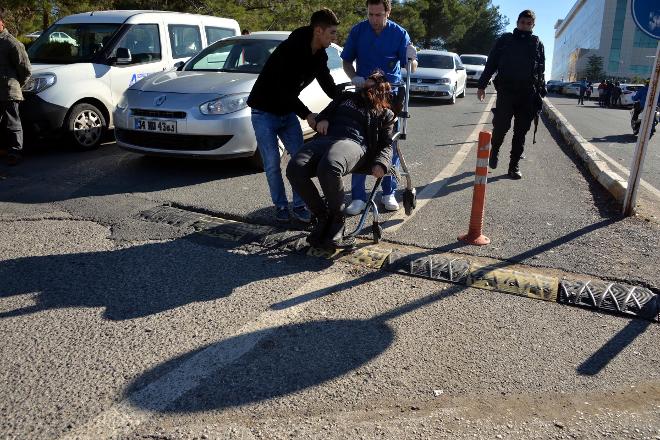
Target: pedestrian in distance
(376,43)
(276,105)
(15,70)
(616,94)
(519,60)
(355,133)
(583,91)
(601,93)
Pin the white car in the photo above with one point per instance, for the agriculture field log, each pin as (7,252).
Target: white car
(439,75)
(474,66)
(627,93)
(200,110)
(62,37)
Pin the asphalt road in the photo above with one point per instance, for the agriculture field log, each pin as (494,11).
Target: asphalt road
(609,130)
(115,327)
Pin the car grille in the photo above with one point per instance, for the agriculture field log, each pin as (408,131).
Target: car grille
(416,93)
(424,81)
(178,142)
(158,113)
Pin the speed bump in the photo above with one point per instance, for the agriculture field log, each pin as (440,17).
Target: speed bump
(518,283)
(367,256)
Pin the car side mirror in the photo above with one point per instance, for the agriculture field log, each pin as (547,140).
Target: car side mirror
(179,66)
(460,67)
(123,56)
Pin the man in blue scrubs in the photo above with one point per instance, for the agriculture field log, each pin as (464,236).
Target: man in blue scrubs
(376,43)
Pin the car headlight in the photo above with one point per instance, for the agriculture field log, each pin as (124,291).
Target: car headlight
(123,102)
(225,104)
(39,83)
(444,81)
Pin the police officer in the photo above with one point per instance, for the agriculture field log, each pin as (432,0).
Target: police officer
(14,73)
(519,60)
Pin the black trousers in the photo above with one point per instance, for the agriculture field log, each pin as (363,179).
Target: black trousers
(520,107)
(10,125)
(581,98)
(329,159)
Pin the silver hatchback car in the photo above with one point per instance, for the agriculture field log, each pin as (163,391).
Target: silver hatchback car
(200,110)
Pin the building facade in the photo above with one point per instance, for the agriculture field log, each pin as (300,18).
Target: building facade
(604,28)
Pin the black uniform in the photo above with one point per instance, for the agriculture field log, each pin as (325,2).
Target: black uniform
(519,60)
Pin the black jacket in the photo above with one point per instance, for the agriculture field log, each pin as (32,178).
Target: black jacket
(378,132)
(519,60)
(289,69)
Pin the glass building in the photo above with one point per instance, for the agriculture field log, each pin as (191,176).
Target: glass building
(604,28)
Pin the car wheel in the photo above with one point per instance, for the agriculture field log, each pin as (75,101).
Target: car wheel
(256,160)
(86,126)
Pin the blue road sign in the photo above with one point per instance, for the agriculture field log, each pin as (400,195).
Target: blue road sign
(646,14)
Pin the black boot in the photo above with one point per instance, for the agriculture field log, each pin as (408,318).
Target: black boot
(492,160)
(335,234)
(320,230)
(514,169)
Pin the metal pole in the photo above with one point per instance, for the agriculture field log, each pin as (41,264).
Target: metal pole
(643,138)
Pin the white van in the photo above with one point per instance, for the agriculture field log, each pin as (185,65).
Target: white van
(84,62)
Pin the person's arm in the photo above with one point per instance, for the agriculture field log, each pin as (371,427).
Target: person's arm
(541,70)
(21,62)
(384,156)
(407,51)
(489,69)
(326,81)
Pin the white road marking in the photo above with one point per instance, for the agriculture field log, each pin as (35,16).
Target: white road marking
(432,189)
(125,416)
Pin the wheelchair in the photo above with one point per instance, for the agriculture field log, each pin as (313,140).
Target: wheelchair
(400,101)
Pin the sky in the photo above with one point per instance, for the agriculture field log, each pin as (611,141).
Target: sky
(547,14)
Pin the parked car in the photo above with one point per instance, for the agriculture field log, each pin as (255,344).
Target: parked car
(200,110)
(571,89)
(83,63)
(627,93)
(554,86)
(439,75)
(474,67)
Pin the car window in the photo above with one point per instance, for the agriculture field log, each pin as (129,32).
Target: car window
(457,60)
(214,34)
(334,60)
(476,61)
(435,61)
(143,40)
(247,56)
(71,43)
(185,40)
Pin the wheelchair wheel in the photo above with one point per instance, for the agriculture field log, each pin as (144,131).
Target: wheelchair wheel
(409,201)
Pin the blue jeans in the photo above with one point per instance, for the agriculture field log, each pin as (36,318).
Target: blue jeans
(267,128)
(388,184)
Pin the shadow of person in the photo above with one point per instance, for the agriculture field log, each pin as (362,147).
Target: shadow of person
(141,280)
(268,363)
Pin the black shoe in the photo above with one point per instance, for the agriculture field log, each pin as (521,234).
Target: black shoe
(14,159)
(282,214)
(514,170)
(492,160)
(335,234)
(319,232)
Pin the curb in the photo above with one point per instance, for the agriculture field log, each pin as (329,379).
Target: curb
(611,181)
(569,289)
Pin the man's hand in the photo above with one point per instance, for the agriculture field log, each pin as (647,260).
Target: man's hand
(311,120)
(411,52)
(358,81)
(322,127)
(377,171)
(481,94)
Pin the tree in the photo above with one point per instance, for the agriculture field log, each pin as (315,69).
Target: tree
(594,70)
(488,25)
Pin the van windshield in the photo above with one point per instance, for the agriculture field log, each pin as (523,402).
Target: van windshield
(244,55)
(71,43)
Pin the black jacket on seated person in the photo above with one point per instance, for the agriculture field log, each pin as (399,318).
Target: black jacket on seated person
(377,130)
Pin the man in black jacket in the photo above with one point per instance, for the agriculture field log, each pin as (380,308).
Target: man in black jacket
(295,63)
(519,60)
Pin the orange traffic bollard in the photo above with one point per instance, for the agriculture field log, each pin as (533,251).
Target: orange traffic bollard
(474,235)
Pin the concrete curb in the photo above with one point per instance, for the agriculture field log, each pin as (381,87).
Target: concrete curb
(611,181)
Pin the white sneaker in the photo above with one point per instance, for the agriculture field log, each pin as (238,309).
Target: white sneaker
(356,207)
(390,203)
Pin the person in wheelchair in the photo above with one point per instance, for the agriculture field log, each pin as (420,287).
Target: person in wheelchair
(354,136)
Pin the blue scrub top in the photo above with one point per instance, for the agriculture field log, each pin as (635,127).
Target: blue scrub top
(386,51)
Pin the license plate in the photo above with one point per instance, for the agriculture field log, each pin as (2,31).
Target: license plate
(419,88)
(155,125)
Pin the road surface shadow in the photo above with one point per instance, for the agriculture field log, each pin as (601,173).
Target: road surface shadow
(626,138)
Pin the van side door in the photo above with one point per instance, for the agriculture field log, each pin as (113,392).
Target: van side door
(144,43)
